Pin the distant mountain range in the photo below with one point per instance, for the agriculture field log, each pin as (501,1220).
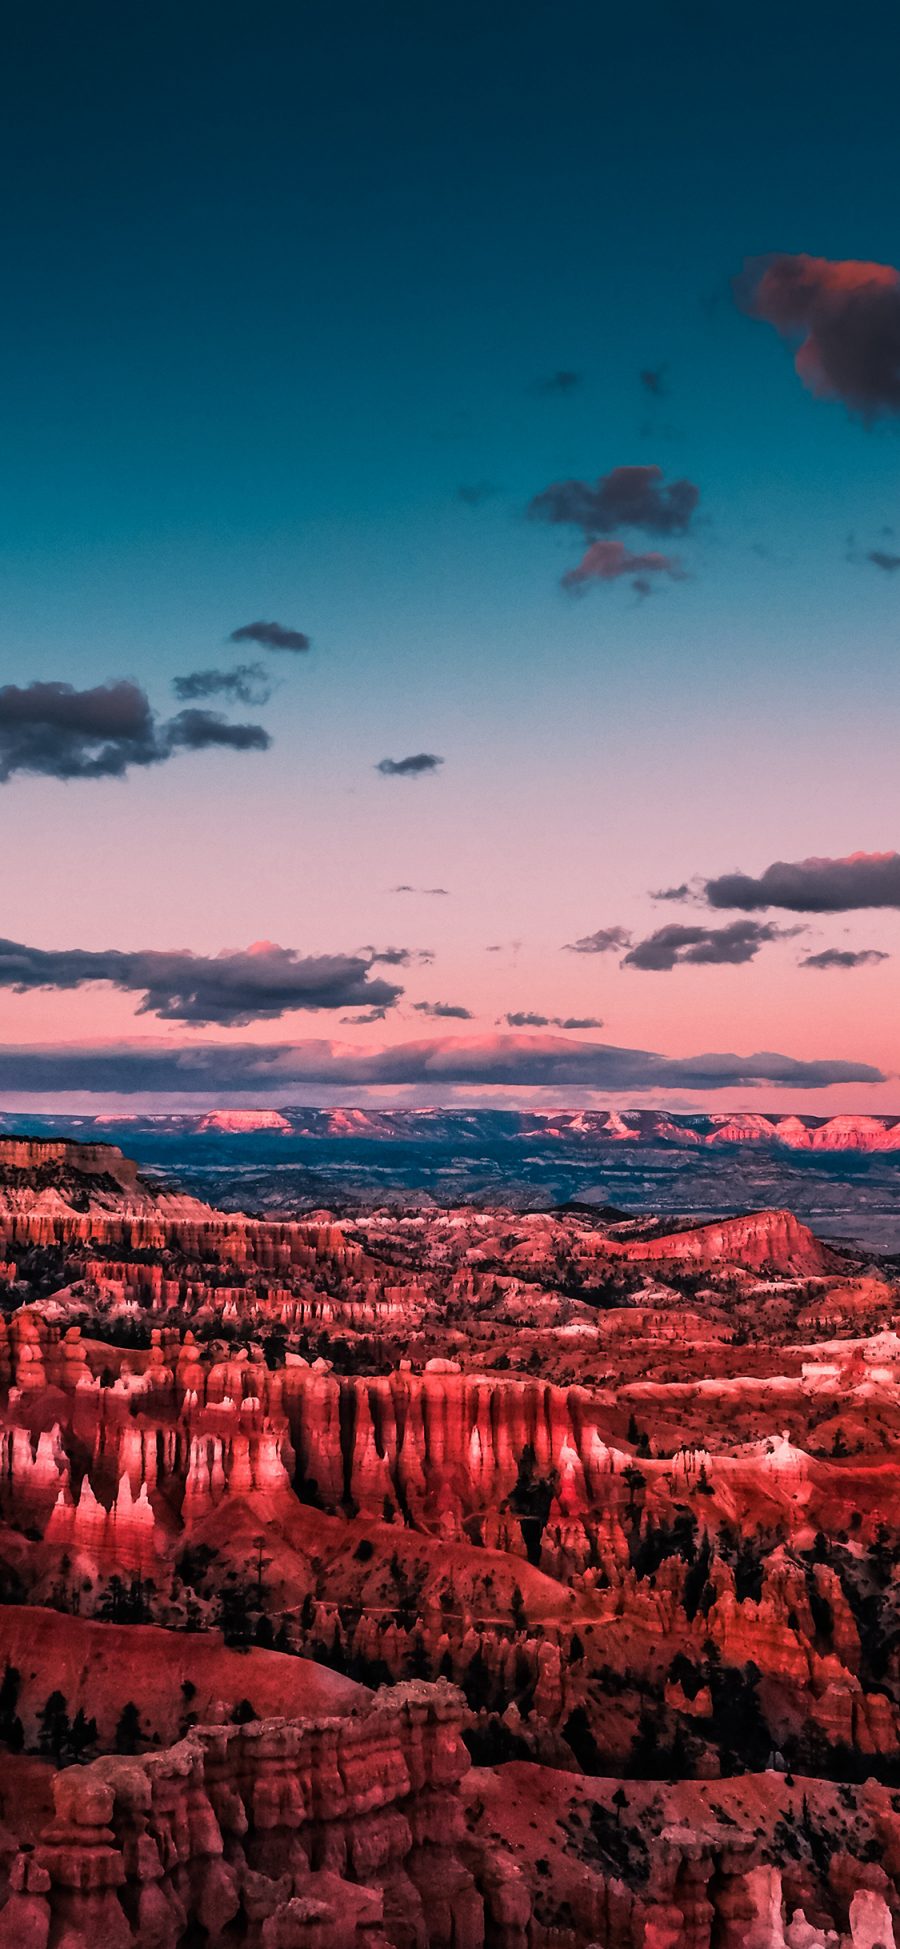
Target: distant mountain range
(579,1128)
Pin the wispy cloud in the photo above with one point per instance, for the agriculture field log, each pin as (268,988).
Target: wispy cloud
(844,957)
(271,636)
(444,1011)
(561,383)
(526,1019)
(607,561)
(474,493)
(415,766)
(246,683)
(606,940)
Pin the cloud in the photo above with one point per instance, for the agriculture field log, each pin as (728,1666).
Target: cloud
(606,561)
(846,316)
(247,683)
(628,497)
(256,984)
(541,1061)
(844,957)
(559,382)
(271,636)
(474,493)
(198,730)
(607,940)
(412,767)
(524,1019)
(880,558)
(813,886)
(398,957)
(653,380)
(674,946)
(52,730)
(434,892)
(444,1011)
(682,892)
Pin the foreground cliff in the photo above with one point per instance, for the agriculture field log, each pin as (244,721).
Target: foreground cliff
(448,1577)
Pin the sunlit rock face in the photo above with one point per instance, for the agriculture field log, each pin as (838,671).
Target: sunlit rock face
(450,1576)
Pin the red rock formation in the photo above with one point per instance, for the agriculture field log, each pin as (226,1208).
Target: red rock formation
(770,1240)
(291,1831)
(653,1537)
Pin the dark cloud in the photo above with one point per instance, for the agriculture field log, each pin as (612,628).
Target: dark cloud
(271,636)
(628,497)
(55,731)
(607,561)
(578,1021)
(844,957)
(217,1068)
(474,493)
(193,730)
(813,886)
(433,892)
(653,380)
(880,558)
(607,940)
(524,1018)
(846,317)
(731,946)
(247,683)
(682,892)
(257,984)
(444,1011)
(559,382)
(412,767)
(363,1021)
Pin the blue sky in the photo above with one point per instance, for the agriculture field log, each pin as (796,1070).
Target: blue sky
(280,281)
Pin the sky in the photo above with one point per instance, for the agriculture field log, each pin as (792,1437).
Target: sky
(448,496)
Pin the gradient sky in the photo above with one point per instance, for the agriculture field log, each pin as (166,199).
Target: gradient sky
(279,282)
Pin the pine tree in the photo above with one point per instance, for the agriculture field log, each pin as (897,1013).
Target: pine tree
(55,1731)
(128,1730)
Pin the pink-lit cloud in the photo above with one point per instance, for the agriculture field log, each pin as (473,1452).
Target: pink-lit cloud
(608,561)
(846,316)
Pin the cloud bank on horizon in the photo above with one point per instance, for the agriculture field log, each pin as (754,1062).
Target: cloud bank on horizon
(507,1060)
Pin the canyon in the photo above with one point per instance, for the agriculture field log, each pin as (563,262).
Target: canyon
(838,1174)
(443,1575)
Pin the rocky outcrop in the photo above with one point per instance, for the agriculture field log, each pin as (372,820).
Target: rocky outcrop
(765,1240)
(284,1833)
(635,1491)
